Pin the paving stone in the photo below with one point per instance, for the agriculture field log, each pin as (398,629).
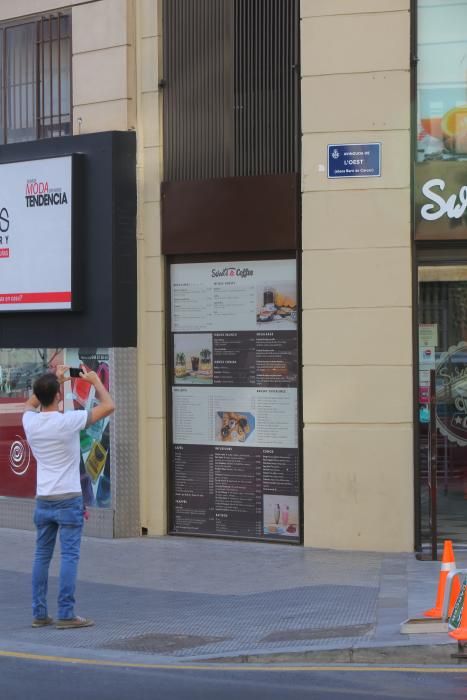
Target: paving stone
(186,598)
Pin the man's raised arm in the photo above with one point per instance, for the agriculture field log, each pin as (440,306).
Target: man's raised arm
(106,405)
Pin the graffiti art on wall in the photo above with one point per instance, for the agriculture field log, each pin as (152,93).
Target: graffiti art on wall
(18,370)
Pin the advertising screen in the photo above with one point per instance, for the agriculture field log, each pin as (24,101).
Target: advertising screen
(36,235)
(234,452)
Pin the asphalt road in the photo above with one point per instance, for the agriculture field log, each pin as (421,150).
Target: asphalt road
(55,680)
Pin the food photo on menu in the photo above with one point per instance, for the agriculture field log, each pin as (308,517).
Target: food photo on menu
(193,358)
(234,426)
(276,306)
(280,515)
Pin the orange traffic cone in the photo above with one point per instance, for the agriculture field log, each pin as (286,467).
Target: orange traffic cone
(448,564)
(461,632)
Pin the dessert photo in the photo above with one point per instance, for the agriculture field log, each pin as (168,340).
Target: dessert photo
(234,426)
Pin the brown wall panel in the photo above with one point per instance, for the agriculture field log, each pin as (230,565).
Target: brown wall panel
(229,215)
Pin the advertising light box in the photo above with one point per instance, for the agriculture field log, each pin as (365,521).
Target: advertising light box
(234,459)
(36,235)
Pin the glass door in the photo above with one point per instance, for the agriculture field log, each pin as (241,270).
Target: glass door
(442,318)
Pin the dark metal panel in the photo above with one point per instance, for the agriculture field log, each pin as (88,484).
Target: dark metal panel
(106,237)
(237,214)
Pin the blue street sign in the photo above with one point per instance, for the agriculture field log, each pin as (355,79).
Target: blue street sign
(354,160)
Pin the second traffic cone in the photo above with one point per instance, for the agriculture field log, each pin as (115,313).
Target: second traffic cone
(461,632)
(447,564)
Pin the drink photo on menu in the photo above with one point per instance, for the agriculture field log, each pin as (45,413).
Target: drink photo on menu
(280,514)
(276,306)
(192,358)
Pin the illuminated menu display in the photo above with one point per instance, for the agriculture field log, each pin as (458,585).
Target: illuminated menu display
(234,448)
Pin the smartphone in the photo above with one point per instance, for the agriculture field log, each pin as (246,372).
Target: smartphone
(75,372)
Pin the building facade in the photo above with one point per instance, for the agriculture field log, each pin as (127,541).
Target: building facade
(278,384)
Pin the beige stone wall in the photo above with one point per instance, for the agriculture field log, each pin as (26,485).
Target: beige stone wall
(103,40)
(357,327)
(151,269)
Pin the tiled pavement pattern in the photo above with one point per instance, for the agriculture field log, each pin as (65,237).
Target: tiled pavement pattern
(192,598)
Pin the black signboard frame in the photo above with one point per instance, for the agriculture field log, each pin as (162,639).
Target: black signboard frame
(219,258)
(104,246)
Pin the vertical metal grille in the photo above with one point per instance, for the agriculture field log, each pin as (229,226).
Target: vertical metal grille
(19,79)
(231,101)
(35,82)
(194,99)
(54,77)
(266,86)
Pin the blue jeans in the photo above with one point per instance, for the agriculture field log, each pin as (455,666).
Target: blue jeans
(50,517)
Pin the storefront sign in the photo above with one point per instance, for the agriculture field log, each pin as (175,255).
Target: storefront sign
(36,235)
(354,160)
(441,200)
(234,453)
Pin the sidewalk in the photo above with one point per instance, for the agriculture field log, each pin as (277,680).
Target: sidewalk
(198,599)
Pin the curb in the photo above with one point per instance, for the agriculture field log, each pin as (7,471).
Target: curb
(405,655)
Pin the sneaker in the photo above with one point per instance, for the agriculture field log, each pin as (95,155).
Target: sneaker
(73,623)
(42,621)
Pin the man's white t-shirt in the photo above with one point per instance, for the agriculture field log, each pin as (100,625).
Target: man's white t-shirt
(54,441)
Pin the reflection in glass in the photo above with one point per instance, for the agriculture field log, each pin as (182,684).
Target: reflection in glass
(19,368)
(443,308)
(442,80)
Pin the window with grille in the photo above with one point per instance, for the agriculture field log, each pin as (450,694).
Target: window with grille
(35,78)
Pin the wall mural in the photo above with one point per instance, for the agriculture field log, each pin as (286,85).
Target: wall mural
(18,370)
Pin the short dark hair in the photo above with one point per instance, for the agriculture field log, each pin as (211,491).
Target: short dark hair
(46,388)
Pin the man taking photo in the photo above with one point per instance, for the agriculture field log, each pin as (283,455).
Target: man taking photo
(54,440)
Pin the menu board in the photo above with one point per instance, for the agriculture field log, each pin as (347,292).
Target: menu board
(234,375)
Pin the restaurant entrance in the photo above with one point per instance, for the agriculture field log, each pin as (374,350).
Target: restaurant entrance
(442,318)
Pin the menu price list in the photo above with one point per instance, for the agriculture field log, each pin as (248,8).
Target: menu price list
(263,358)
(234,359)
(276,358)
(280,471)
(189,303)
(238,492)
(222,490)
(266,417)
(193,470)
